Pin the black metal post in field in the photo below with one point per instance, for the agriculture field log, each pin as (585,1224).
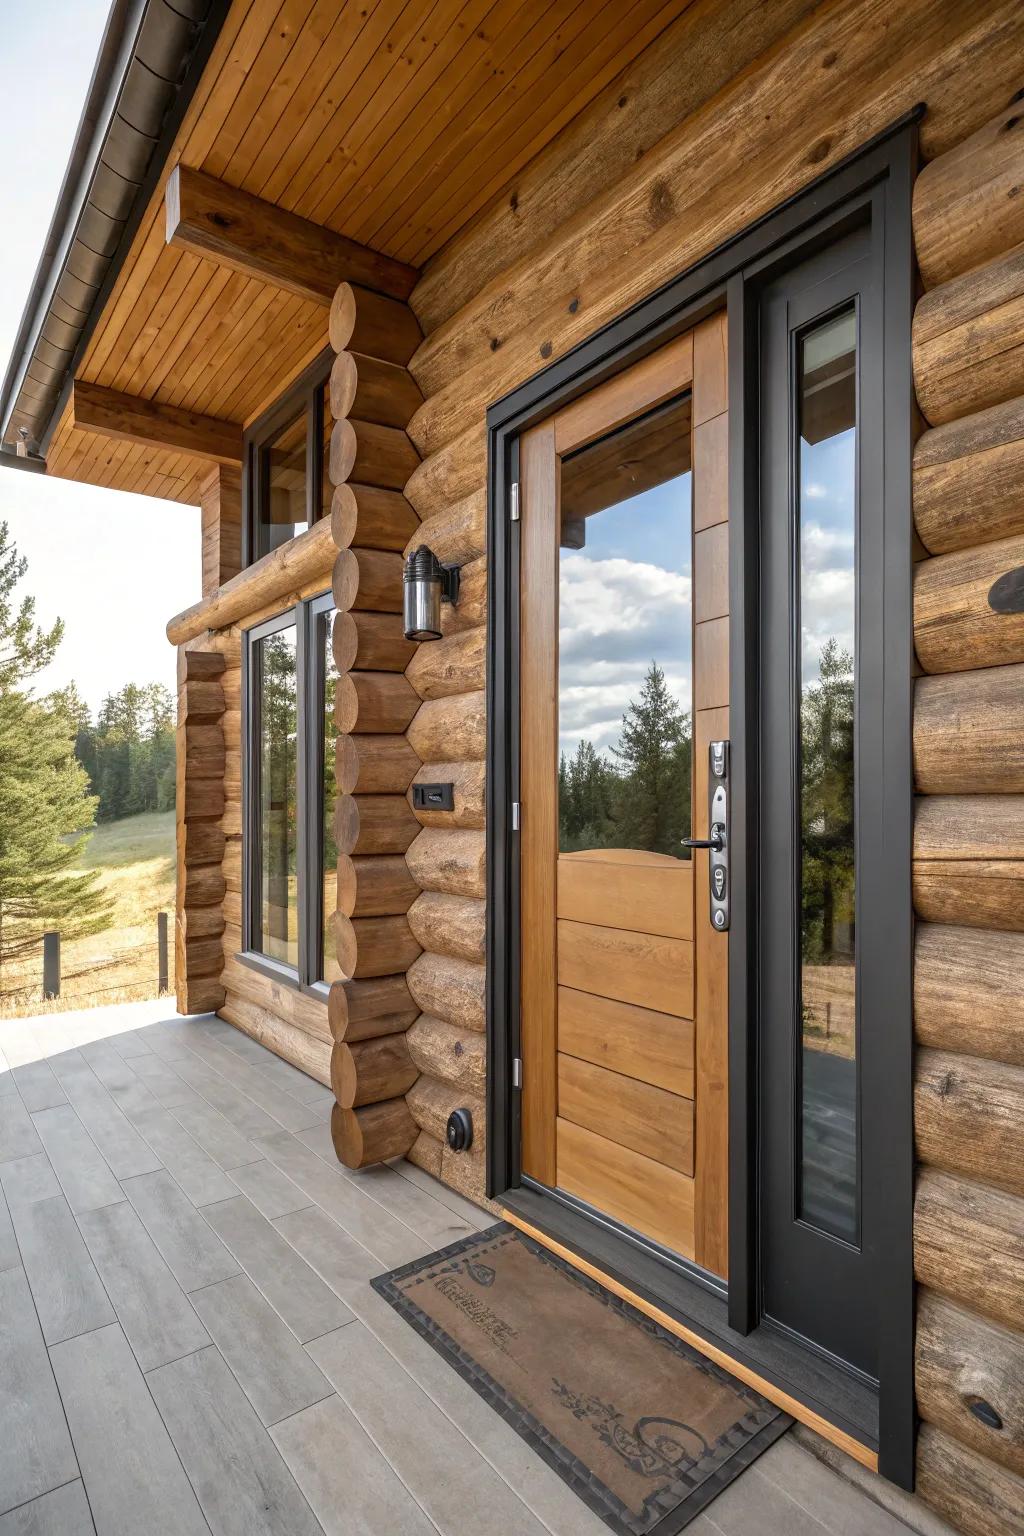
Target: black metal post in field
(163,976)
(51,965)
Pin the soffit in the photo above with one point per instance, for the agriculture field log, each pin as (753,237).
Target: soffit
(392,122)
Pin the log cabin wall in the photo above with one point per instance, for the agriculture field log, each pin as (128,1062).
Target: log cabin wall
(730,111)
(371,458)
(714,126)
(968,355)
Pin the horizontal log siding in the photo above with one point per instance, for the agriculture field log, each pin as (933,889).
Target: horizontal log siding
(969,831)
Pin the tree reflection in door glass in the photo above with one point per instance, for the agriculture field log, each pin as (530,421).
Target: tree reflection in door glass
(827,1186)
(625,625)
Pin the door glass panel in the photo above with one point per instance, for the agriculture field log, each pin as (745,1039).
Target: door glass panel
(285,508)
(827,383)
(330,970)
(625,638)
(278,791)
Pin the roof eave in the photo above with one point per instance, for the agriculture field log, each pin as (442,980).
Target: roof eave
(150,61)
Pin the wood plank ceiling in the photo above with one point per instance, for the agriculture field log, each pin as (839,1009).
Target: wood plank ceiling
(391,121)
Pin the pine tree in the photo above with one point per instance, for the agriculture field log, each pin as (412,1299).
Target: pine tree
(44,801)
(653,809)
(827,803)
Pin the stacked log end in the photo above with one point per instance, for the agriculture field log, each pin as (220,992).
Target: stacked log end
(968,351)
(371,458)
(200,769)
(449,735)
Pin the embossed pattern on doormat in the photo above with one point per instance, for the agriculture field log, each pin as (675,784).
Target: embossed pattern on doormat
(641,1426)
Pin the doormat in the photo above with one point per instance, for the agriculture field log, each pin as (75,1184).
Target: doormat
(643,1428)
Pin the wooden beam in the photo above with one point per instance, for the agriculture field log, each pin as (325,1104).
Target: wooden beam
(211,219)
(110,414)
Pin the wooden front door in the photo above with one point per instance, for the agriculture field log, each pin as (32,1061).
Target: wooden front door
(624,683)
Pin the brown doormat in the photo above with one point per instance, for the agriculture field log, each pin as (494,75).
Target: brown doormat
(641,1426)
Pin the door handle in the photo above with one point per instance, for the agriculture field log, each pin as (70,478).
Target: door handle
(717,843)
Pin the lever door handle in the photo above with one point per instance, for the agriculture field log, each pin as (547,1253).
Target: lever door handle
(715,841)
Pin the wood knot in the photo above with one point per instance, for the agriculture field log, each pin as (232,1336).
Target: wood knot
(221,220)
(946,1085)
(661,203)
(1006,594)
(622,101)
(513,201)
(495,343)
(545,349)
(829,59)
(574,305)
(1010,124)
(458,1048)
(820,151)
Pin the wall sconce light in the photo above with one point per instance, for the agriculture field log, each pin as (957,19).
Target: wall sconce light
(426,585)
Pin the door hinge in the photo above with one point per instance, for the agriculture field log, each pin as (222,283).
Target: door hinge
(515,815)
(513,502)
(517,1072)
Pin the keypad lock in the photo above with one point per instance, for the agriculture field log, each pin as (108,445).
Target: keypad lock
(717,840)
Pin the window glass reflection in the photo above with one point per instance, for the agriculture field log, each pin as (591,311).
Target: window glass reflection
(330,970)
(278,785)
(625,626)
(285,468)
(827,375)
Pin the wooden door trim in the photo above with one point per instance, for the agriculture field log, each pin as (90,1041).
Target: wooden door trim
(538,674)
(639,388)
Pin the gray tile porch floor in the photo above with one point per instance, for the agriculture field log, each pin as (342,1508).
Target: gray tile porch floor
(188,1339)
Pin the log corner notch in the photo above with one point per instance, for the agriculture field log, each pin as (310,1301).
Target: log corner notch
(224,224)
(372,398)
(968,357)
(200,767)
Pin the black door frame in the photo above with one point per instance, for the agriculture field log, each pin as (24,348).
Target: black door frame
(875,182)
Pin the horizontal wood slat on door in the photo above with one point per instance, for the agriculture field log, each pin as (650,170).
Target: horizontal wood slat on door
(635,1190)
(633,967)
(639,891)
(634,1114)
(654,1047)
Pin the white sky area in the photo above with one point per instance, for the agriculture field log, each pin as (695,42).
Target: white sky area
(114,567)
(624,602)
(827,525)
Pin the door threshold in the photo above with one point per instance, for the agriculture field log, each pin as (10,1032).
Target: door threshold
(840,1407)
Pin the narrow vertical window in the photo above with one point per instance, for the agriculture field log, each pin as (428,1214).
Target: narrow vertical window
(286,511)
(329,969)
(827,1194)
(277,809)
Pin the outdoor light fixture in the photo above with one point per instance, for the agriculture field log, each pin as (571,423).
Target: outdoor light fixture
(426,585)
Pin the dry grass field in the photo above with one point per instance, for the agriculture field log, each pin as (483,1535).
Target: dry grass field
(135,858)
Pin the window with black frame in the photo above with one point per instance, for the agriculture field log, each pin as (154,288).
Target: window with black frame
(287,487)
(290,854)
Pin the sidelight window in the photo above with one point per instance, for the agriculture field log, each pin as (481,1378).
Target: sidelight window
(826,486)
(290,855)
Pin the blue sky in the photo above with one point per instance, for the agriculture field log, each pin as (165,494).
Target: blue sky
(625,598)
(115,567)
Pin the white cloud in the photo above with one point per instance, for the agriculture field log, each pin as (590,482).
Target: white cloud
(616,616)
